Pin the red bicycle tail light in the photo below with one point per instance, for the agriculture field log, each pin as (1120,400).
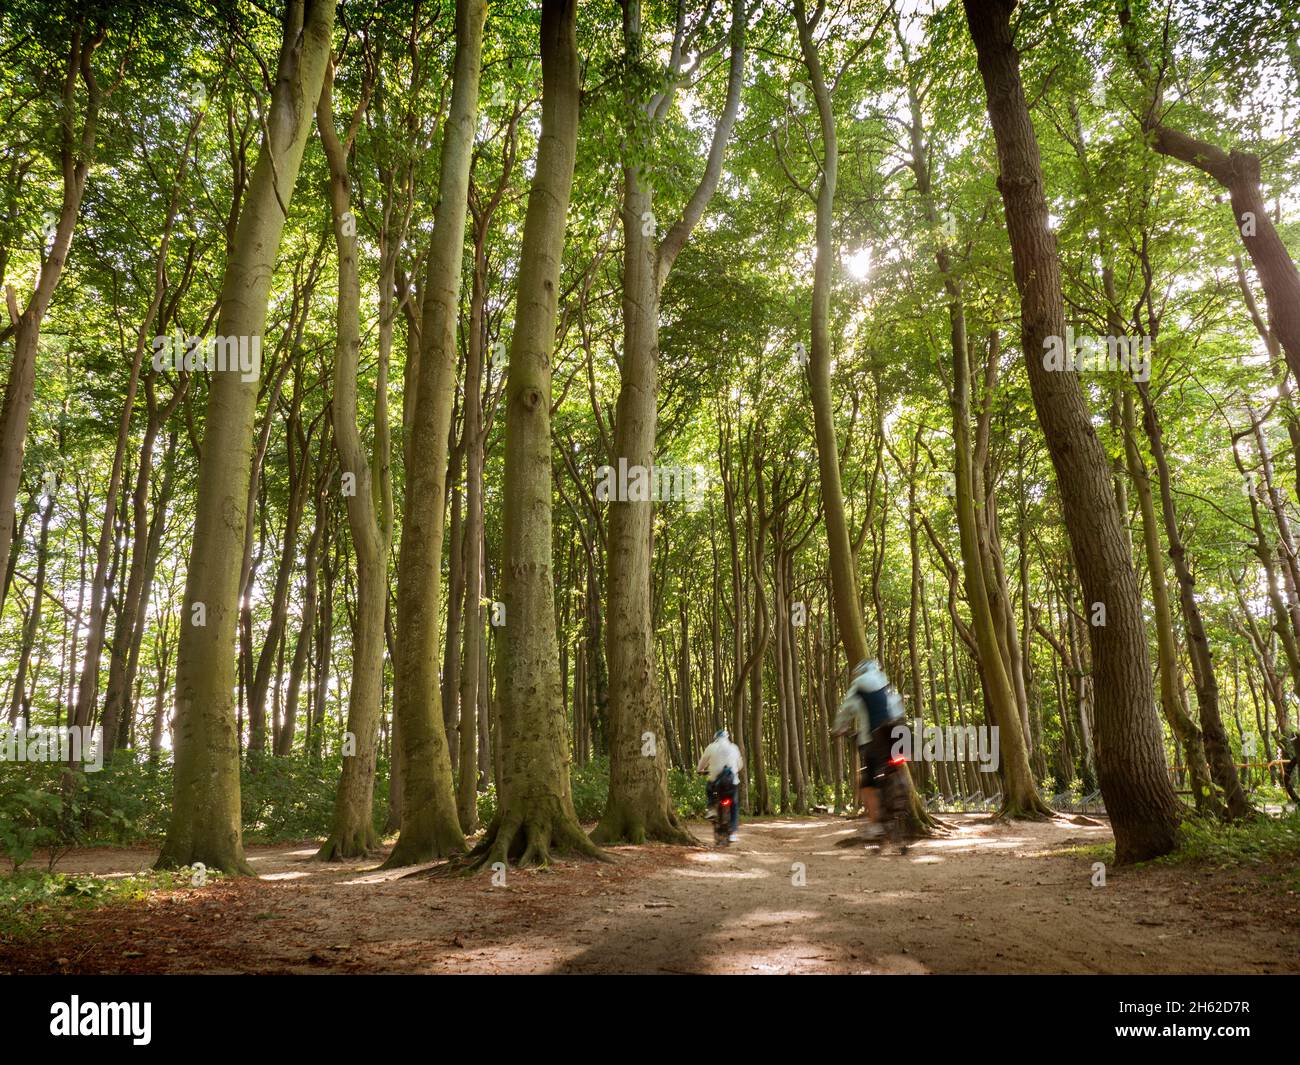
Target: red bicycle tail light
(898,760)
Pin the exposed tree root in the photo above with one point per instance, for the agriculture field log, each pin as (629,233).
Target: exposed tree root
(531,838)
(1034,810)
(227,860)
(359,843)
(418,847)
(920,822)
(622,823)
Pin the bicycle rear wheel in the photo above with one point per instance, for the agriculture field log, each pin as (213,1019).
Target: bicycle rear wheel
(896,801)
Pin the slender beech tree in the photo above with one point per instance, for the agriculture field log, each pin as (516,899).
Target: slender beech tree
(843,565)
(535,816)
(430,826)
(1019,789)
(97,622)
(844,577)
(76,153)
(362,481)
(205,821)
(483,206)
(639,806)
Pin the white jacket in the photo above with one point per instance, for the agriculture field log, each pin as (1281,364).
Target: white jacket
(853,710)
(719,755)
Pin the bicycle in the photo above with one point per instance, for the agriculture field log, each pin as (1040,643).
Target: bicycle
(895,804)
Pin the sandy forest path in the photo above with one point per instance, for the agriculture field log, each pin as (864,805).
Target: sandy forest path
(990,898)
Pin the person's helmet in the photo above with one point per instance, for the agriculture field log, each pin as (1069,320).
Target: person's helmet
(867,665)
(722,734)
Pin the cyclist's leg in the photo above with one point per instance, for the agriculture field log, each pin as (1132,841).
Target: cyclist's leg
(871,795)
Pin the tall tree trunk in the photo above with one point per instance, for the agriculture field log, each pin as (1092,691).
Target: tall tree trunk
(472,547)
(1217,751)
(1189,736)
(844,578)
(299,483)
(1134,778)
(430,826)
(76,152)
(639,806)
(535,815)
(97,623)
(353,833)
(20,704)
(205,822)
(1020,796)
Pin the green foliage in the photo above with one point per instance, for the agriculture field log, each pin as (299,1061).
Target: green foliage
(30,900)
(687,791)
(44,806)
(293,798)
(590,785)
(1264,839)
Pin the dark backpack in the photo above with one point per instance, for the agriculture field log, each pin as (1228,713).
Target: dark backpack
(877,704)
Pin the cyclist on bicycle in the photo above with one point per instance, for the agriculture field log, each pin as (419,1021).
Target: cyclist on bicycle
(721,763)
(870,710)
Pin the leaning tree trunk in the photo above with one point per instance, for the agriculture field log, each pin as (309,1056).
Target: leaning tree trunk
(535,815)
(352,834)
(205,822)
(1238,173)
(75,156)
(844,577)
(1134,778)
(430,826)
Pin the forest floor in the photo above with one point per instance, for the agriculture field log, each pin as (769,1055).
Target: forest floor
(989,898)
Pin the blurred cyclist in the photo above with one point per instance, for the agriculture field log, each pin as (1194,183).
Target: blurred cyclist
(721,763)
(869,711)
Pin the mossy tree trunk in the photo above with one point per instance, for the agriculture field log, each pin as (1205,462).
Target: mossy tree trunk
(205,819)
(535,816)
(430,826)
(352,834)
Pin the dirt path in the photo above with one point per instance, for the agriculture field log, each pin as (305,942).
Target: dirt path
(991,898)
